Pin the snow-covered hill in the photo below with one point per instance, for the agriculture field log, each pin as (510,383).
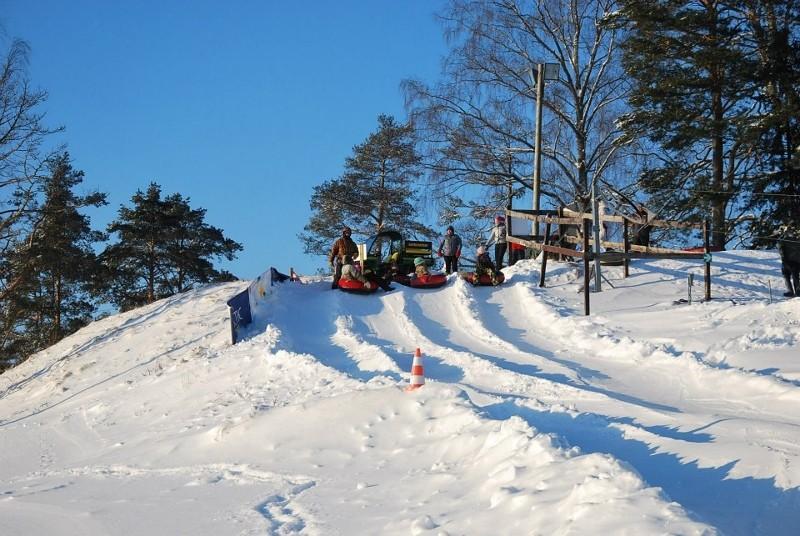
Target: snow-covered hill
(645,418)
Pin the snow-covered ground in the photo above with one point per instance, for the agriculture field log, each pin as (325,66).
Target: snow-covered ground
(647,417)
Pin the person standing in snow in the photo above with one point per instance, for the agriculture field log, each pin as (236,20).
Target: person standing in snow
(450,249)
(343,247)
(498,238)
(789,248)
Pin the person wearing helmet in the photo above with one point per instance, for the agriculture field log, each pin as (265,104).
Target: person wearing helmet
(484,266)
(450,249)
(498,238)
(343,247)
(420,268)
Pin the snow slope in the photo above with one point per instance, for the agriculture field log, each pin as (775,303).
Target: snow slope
(645,418)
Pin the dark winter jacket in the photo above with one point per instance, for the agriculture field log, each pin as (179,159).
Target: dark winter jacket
(343,247)
(789,248)
(450,246)
(484,262)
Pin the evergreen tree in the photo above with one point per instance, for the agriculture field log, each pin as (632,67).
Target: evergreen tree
(13,308)
(375,192)
(689,99)
(56,266)
(164,247)
(775,54)
(137,259)
(191,246)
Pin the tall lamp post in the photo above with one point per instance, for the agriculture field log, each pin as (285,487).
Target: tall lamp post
(544,71)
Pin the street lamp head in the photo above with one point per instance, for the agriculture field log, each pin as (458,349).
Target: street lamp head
(551,71)
(548,71)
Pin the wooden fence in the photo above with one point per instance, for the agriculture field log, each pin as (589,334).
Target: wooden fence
(624,251)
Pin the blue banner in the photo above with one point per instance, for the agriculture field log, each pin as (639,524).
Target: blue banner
(249,304)
(241,316)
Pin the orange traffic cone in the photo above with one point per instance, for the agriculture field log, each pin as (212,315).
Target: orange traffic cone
(417,374)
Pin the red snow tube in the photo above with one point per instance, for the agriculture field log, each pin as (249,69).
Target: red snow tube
(485,279)
(428,281)
(425,281)
(357,287)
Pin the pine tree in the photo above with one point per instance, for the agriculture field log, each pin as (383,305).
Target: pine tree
(164,247)
(136,260)
(192,245)
(689,98)
(375,192)
(775,55)
(14,307)
(56,264)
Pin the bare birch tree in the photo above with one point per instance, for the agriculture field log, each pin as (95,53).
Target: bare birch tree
(478,121)
(21,134)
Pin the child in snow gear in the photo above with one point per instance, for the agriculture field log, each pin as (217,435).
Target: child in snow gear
(343,247)
(484,266)
(351,273)
(498,238)
(450,249)
(789,248)
(420,269)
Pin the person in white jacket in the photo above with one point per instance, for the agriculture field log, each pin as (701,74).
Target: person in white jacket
(498,238)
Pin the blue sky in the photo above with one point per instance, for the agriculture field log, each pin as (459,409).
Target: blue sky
(243,106)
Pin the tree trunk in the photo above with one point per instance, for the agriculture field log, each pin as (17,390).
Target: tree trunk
(55,333)
(719,198)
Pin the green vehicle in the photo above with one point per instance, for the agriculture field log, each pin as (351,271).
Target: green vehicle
(389,252)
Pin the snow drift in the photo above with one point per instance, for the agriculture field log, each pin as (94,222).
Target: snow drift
(646,418)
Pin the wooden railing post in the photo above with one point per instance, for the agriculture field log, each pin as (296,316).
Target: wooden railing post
(586,278)
(509,232)
(544,253)
(707,259)
(626,247)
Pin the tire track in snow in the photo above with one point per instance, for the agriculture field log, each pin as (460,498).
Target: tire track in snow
(473,370)
(605,426)
(646,364)
(566,385)
(576,408)
(316,320)
(701,393)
